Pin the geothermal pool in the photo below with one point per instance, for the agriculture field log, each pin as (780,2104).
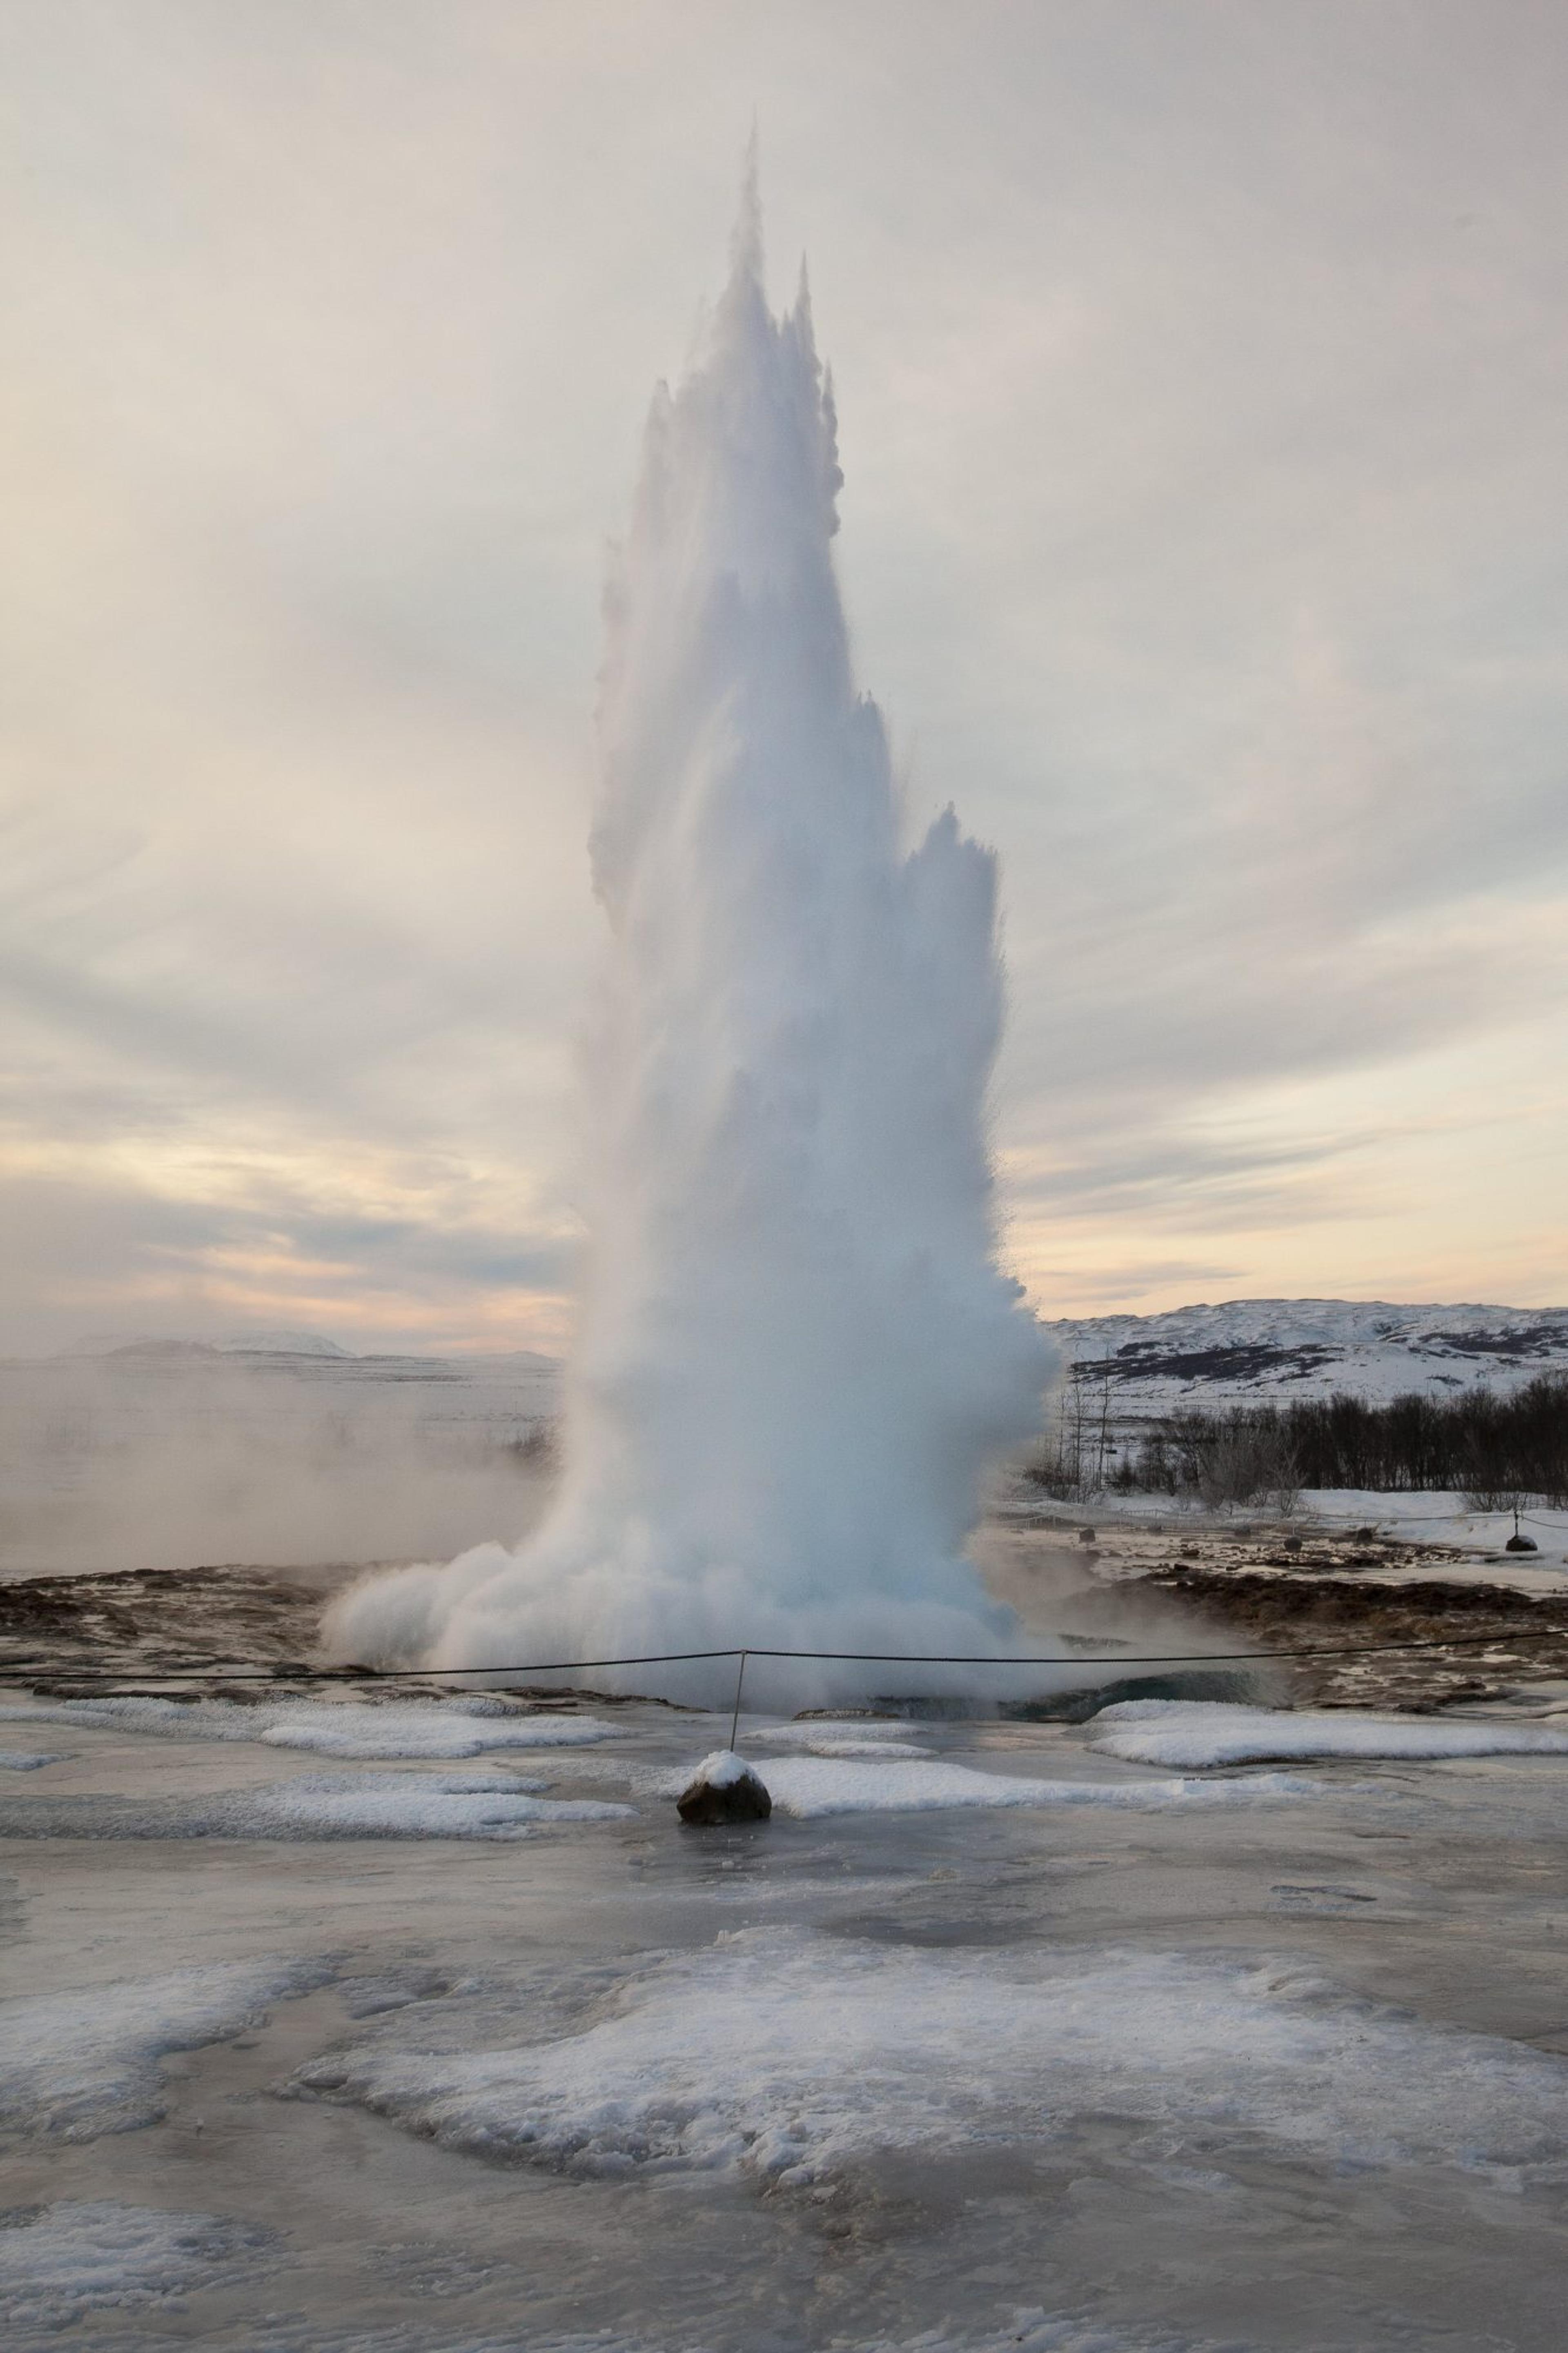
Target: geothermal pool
(425,2028)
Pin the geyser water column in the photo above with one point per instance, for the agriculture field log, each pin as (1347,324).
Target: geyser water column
(797,1348)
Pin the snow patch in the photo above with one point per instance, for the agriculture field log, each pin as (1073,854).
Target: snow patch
(319,1806)
(790,2056)
(721,1769)
(1186,1732)
(26,1760)
(439,1728)
(848,1738)
(813,1787)
(63,2262)
(75,2064)
(468,1726)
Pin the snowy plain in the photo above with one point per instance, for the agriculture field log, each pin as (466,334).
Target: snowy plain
(1082,2064)
(1472,1543)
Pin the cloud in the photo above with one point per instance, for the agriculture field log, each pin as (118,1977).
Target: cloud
(1200,374)
(84,1256)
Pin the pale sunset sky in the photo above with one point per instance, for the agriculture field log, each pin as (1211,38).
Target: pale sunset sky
(1202,369)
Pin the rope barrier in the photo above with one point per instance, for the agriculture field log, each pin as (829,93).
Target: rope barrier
(355,1670)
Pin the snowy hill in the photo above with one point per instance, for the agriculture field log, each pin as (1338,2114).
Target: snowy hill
(1262,1349)
(229,1344)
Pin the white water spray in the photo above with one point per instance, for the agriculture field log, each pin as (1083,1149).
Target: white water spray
(796,1349)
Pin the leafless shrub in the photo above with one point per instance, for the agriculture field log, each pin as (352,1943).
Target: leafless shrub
(1247,1460)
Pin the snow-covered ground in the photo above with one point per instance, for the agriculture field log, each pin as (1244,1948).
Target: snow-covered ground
(1438,1515)
(463,1726)
(65,2262)
(993,2035)
(1249,1350)
(75,2064)
(815,2055)
(1186,1732)
(1451,1540)
(813,1788)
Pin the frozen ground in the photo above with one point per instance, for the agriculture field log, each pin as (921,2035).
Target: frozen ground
(467,1726)
(1188,1733)
(1443,1535)
(993,2036)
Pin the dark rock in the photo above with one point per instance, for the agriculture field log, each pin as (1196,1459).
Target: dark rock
(724,1789)
(1522,1544)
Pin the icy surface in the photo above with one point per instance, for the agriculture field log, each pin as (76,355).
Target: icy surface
(1187,1733)
(75,2258)
(26,1760)
(793,2056)
(438,1728)
(318,1806)
(850,1737)
(1128,2063)
(1028,2330)
(411,1728)
(813,1788)
(75,2064)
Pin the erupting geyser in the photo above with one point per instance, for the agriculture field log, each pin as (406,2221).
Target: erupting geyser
(797,1348)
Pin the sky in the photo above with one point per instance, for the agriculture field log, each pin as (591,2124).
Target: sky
(1202,368)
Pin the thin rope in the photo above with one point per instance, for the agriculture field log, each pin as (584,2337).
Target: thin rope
(1497,1639)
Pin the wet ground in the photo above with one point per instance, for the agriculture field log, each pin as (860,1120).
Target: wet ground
(1243,2059)
(1479,1622)
(1300,2086)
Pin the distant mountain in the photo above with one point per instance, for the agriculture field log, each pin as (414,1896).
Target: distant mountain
(504,1386)
(226,1344)
(278,1343)
(1252,1350)
(1244,1350)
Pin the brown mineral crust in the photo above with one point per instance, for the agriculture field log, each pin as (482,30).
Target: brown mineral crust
(139,1621)
(1522,1636)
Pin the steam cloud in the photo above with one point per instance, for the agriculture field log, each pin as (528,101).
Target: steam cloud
(147,1459)
(797,1351)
